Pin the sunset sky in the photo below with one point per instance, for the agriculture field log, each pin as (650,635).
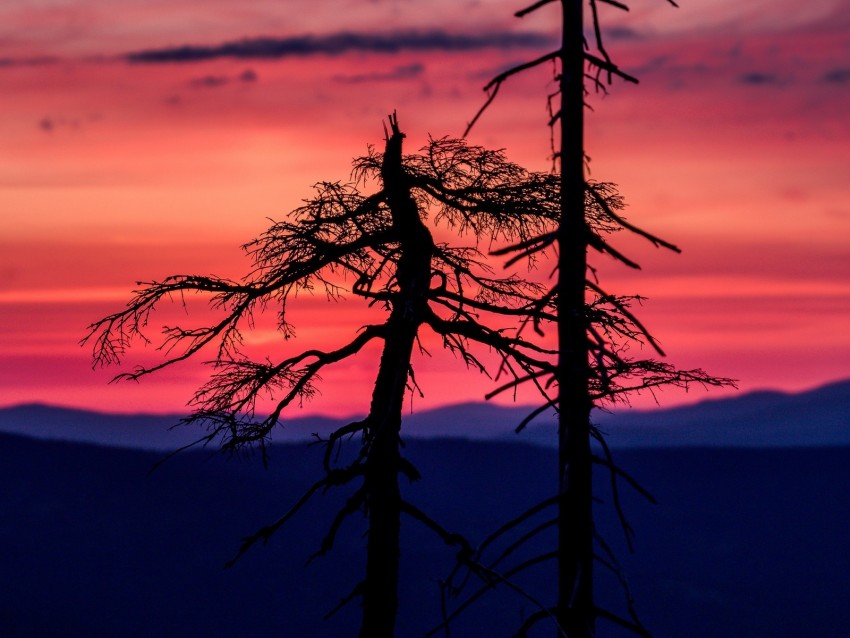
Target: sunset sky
(145,138)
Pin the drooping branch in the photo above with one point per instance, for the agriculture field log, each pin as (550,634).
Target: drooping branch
(623,310)
(492,87)
(491,581)
(453,539)
(534,7)
(354,503)
(605,204)
(226,402)
(633,627)
(333,478)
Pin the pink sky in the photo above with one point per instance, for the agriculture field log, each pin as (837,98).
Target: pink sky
(735,146)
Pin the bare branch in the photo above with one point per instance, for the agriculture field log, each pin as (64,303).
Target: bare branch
(622,622)
(353,504)
(601,201)
(492,579)
(493,86)
(334,478)
(610,67)
(354,593)
(614,3)
(452,539)
(621,308)
(534,7)
(536,412)
(513,523)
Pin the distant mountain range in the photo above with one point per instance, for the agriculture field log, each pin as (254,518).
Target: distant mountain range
(816,418)
(748,537)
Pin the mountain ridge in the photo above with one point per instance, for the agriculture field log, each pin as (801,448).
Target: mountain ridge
(819,417)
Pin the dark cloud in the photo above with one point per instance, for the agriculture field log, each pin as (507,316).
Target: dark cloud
(758,79)
(837,76)
(11,62)
(622,33)
(49,124)
(209,82)
(652,65)
(337,43)
(215,81)
(406,72)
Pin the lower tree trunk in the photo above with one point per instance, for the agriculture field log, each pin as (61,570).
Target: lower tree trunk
(380,593)
(575,611)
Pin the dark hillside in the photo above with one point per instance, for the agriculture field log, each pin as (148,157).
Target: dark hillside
(743,543)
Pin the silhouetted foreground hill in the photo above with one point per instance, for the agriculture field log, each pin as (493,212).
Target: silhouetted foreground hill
(744,542)
(819,417)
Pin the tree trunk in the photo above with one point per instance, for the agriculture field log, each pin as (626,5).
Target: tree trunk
(413,274)
(380,593)
(575,610)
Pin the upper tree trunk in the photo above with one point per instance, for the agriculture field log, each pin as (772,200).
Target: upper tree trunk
(380,594)
(575,611)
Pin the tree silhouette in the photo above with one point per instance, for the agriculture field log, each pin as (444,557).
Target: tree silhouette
(382,244)
(595,328)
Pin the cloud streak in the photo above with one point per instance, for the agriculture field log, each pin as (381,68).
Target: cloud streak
(757,78)
(407,72)
(339,43)
(214,81)
(36,61)
(837,76)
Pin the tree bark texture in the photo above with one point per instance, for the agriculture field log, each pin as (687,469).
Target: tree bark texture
(380,592)
(575,608)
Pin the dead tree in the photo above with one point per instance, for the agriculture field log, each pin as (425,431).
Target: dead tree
(594,327)
(381,242)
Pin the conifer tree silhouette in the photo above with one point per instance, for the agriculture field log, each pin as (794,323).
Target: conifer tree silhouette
(382,242)
(595,329)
